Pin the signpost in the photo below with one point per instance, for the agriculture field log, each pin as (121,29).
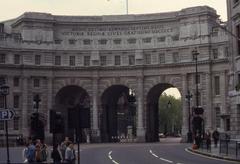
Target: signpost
(6,114)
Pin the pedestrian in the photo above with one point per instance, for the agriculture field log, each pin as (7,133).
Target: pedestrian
(215,137)
(30,152)
(208,140)
(56,154)
(63,147)
(70,154)
(24,153)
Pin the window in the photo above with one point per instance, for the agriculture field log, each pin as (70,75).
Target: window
(146,40)
(117,60)
(72,41)
(86,61)
(161,39)
(215,53)
(226,51)
(16,123)
(147,58)
(58,41)
(228,124)
(217,85)
(16,101)
(16,81)
(238,78)
(238,115)
(72,60)
(175,38)
(37,59)
(1,125)
(132,41)
(86,41)
(218,118)
(238,40)
(102,41)
(161,58)
(131,59)
(16,59)
(57,60)
(103,60)
(1,27)
(2,58)
(215,31)
(1,102)
(36,83)
(175,57)
(117,41)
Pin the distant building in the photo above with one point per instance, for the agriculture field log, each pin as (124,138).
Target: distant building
(96,61)
(233,117)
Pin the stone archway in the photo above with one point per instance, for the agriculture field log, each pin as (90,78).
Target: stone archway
(152,111)
(66,101)
(118,116)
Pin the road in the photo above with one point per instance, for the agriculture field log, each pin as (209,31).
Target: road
(157,153)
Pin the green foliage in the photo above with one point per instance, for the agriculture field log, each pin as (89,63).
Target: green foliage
(170,117)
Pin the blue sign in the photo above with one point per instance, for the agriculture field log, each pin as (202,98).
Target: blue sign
(7,114)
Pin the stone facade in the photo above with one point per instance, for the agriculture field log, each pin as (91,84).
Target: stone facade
(233,7)
(145,53)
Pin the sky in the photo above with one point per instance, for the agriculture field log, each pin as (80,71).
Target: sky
(14,8)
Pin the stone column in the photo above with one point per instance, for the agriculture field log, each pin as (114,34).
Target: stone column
(95,127)
(223,93)
(140,106)
(25,111)
(185,107)
(49,105)
(208,112)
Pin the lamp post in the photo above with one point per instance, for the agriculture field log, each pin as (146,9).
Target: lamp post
(195,57)
(4,91)
(198,110)
(189,134)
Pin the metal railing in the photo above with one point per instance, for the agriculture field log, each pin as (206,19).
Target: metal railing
(230,147)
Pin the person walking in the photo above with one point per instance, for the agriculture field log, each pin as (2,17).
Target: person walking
(70,154)
(215,137)
(56,155)
(30,152)
(208,140)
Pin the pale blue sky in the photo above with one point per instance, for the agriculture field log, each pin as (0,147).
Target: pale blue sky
(13,8)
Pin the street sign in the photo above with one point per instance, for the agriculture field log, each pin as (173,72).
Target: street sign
(7,114)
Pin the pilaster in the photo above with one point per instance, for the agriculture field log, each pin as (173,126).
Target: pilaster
(140,99)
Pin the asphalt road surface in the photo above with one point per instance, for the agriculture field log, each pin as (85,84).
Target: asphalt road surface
(157,153)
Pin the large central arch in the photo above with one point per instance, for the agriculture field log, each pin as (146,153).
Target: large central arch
(66,101)
(115,102)
(152,111)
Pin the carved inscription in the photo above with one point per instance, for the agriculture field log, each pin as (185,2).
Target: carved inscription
(116,30)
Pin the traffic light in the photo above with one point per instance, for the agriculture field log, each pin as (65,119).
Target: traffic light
(56,122)
(36,127)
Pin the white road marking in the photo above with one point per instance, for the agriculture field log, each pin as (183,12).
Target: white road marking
(166,160)
(153,154)
(110,157)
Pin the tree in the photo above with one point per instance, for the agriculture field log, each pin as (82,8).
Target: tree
(170,117)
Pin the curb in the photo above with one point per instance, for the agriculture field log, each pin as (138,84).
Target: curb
(213,155)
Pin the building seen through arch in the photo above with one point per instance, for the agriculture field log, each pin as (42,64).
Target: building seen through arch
(117,66)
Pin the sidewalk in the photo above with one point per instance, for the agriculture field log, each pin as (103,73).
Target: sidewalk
(215,153)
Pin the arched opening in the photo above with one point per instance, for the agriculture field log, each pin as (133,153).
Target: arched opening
(153,127)
(119,114)
(68,100)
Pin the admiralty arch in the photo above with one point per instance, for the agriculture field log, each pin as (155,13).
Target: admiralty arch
(98,60)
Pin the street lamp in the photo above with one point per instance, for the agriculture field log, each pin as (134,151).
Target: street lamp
(4,91)
(195,57)
(197,110)
(189,134)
